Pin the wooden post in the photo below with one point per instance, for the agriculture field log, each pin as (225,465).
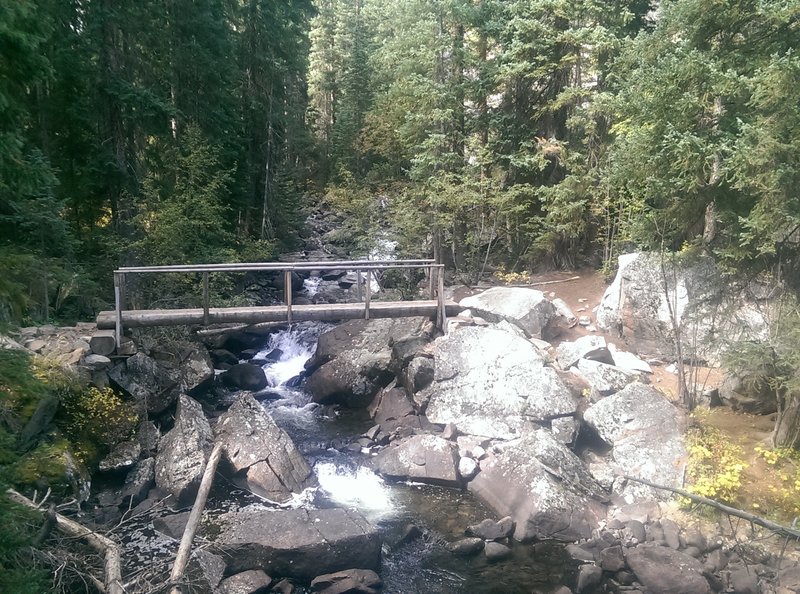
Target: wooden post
(287,291)
(367,292)
(430,283)
(117,310)
(123,290)
(205,299)
(442,311)
(358,285)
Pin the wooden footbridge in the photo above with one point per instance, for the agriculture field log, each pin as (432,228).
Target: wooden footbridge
(435,306)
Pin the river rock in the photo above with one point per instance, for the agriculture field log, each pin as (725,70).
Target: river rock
(122,457)
(586,347)
(298,543)
(466,547)
(353,360)
(709,311)
(527,309)
(645,432)
(666,571)
(491,530)
(349,581)
(390,406)
(605,379)
(496,551)
(425,458)
(245,376)
(542,486)
(254,581)
(183,451)
(492,383)
(259,455)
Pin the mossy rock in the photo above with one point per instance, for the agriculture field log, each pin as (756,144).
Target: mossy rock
(54,466)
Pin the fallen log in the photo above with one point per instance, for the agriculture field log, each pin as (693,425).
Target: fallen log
(185,548)
(769,525)
(107,547)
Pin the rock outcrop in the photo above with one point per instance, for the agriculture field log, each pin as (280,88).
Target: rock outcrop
(298,543)
(527,309)
(423,458)
(492,383)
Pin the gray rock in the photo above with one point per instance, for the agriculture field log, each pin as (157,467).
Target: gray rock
(667,571)
(417,374)
(710,312)
(565,429)
(353,361)
(491,530)
(254,581)
(629,361)
(466,547)
(611,559)
(152,386)
(138,483)
(789,578)
(588,577)
(148,436)
(183,451)
(645,432)
(492,383)
(391,404)
(425,458)
(749,393)
(349,581)
(636,530)
(496,551)
(527,309)
(123,457)
(96,362)
(173,525)
(585,347)
(672,533)
(245,376)
(605,379)
(259,455)
(579,553)
(542,486)
(205,570)
(298,543)
(467,468)
(717,560)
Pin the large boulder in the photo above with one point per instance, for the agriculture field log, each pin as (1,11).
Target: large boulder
(605,379)
(152,386)
(666,571)
(424,458)
(527,309)
(298,543)
(646,435)
(259,455)
(586,347)
(543,487)
(245,376)
(493,383)
(183,451)
(650,288)
(353,360)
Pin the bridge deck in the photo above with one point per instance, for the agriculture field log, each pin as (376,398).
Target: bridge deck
(278,313)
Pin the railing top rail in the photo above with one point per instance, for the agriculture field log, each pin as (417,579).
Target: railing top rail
(283,266)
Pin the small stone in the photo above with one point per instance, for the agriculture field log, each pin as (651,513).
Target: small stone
(372,432)
(496,552)
(350,581)
(410,533)
(478,453)
(284,587)
(579,553)
(636,530)
(584,321)
(671,533)
(466,547)
(247,582)
(467,468)
(491,530)
(96,362)
(450,432)
(35,345)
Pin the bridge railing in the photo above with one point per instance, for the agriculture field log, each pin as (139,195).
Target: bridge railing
(434,272)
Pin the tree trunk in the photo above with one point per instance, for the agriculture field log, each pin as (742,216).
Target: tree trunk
(787,428)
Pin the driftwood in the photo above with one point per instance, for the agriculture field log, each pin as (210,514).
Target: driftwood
(769,525)
(106,546)
(237,328)
(185,548)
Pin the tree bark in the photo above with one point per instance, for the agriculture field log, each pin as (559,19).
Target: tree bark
(787,428)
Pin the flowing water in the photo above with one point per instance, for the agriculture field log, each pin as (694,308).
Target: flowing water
(423,565)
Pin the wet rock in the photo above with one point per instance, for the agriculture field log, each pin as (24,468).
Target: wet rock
(259,455)
(491,530)
(667,571)
(254,581)
(645,432)
(605,379)
(527,309)
(244,376)
(350,581)
(353,360)
(183,451)
(492,383)
(496,551)
(122,457)
(298,543)
(466,547)
(542,486)
(173,525)
(425,458)
(219,356)
(588,577)
(410,533)
(585,347)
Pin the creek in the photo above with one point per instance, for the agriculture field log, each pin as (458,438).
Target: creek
(424,565)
